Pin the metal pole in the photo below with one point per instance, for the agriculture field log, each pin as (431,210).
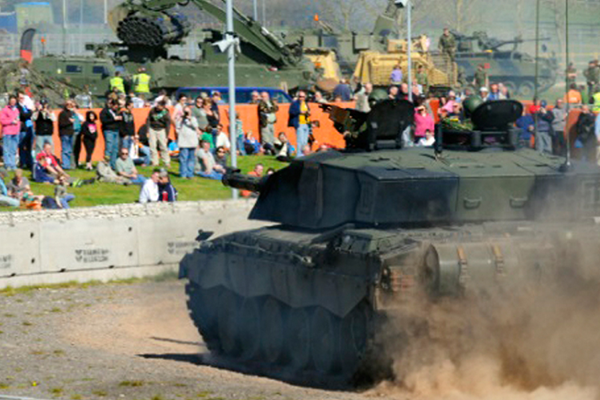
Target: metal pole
(409,44)
(255,10)
(81,46)
(105,12)
(568,139)
(64,16)
(229,35)
(537,55)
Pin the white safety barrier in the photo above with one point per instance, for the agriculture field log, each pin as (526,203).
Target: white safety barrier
(109,242)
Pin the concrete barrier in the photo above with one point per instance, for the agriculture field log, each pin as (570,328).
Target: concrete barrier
(109,242)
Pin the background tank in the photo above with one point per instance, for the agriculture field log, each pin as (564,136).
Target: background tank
(504,63)
(360,232)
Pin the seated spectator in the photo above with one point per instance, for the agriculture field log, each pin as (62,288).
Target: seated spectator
(141,147)
(5,199)
(19,185)
(149,192)
(257,172)
(166,190)
(106,174)
(206,166)
(222,139)
(283,148)
(61,196)
(47,169)
(126,169)
(428,140)
(221,157)
(251,145)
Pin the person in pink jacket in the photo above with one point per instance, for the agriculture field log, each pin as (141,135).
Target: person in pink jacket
(11,126)
(423,122)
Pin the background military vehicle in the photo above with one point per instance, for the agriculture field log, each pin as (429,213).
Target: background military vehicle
(360,232)
(504,63)
(148,28)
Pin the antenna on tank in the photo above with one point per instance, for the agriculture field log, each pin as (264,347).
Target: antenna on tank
(568,133)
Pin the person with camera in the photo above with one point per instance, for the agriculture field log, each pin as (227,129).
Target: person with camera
(186,127)
(44,119)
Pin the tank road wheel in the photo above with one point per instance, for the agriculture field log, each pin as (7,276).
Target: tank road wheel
(298,338)
(202,306)
(323,340)
(250,329)
(272,331)
(526,90)
(228,323)
(354,333)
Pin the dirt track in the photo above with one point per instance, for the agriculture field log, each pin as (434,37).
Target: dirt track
(120,342)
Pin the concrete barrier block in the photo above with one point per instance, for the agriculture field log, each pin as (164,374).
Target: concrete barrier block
(88,244)
(20,249)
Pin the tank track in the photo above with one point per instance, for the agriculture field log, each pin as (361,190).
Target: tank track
(307,346)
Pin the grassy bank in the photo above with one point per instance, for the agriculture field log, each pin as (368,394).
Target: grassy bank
(189,190)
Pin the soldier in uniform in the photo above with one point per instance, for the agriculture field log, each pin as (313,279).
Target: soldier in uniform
(447,44)
(422,78)
(571,75)
(141,82)
(117,82)
(591,76)
(481,77)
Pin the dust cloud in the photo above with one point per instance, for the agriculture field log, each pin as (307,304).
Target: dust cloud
(537,340)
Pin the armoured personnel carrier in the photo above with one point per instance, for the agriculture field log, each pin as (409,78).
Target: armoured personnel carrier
(358,232)
(148,28)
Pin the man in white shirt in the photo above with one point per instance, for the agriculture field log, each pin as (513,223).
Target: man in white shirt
(149,192)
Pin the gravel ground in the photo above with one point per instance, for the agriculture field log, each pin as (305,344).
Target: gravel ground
(120,341)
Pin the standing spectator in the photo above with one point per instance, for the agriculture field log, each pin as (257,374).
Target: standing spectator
(126,169)
(256,172)
(149,192)
(77,123)
(504,93)
(423,122)
(206,166)
(422,79)
(84,100)
(592,76)
(164,97)
(66,121)
(586,134)
(89,135)
(543,137)
(481,78)
(396,75)
(199,113)
(127,128)
(216,98)
(342,90)
(254,97)
(393,92)
(239,135)
(187,139)
(362,97)
(299,118)
(267,110)
(182,102)
(222,139)
(494,92)
(159,122)
(573,96)
(5,199)
(11,126)
(526,124)
(403,93)
(571,73)
(111,123)
(447,45)
(26,109)
(558,125)
(44,120)
(166,190)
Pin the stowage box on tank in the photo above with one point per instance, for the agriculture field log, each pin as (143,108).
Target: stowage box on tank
(356,232)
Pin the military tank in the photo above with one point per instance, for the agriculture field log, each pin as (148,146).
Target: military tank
(515,69)
(357,232)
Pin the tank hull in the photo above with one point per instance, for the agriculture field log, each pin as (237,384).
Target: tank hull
(311,307)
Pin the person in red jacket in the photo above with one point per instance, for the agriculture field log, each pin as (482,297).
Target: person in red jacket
(11,126)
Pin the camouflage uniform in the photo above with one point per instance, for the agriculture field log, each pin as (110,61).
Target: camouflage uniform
(480,78)
(423,80)
(447,45)
(592,76)
(571,75)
